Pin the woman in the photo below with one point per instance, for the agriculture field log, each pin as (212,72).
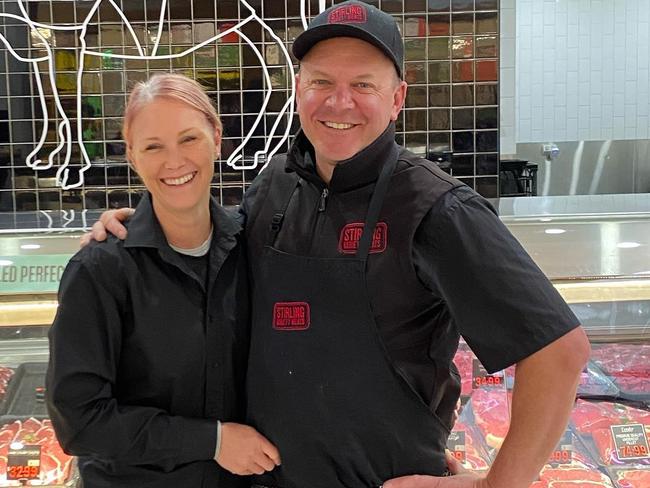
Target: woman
(149,345)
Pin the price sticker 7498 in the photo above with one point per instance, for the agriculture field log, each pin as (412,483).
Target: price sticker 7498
(631,441)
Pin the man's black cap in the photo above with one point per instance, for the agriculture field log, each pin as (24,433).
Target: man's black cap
(354,19)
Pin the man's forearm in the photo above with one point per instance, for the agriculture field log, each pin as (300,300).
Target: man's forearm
(544,392)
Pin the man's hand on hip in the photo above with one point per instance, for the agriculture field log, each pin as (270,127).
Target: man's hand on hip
(460,478)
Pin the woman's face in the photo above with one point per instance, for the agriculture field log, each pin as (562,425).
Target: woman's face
(172,147)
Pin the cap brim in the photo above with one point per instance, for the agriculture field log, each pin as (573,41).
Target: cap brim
(305,41)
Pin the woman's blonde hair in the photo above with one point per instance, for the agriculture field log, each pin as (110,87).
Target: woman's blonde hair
(171,86)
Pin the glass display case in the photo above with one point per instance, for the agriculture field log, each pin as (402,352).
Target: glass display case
(34,250)
(599,262)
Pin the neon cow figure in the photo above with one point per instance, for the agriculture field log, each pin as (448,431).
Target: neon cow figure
(236,159)
(64,130)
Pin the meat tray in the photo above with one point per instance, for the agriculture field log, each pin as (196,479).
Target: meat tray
(25,395)
(596,384)
(628,365)
(592,420)
(476,454)
(56,470)
(6,375)
(580,471)
(489,411)
(630,478)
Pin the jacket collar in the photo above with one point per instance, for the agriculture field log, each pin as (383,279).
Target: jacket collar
(145,230)
(361,169)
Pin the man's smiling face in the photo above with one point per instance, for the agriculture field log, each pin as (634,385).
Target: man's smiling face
(347,93)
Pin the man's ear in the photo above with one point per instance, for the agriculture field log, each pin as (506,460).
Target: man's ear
(297,93)
(399,97)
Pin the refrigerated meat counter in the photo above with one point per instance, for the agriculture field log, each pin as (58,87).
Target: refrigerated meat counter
(600,264)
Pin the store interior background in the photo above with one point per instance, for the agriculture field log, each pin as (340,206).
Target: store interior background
(576,73)
(562,84)
(513,97)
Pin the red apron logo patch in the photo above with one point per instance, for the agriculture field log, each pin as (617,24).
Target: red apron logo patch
(353,14)
(291,316)
(351,235)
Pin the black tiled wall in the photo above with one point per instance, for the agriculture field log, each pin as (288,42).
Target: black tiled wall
(451,65)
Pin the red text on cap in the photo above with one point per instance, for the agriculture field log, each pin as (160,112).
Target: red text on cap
(349,14)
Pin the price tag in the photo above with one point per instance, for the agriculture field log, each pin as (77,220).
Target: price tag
(24,463)
(481,378)
(456,444)
(563,453)
(631,441)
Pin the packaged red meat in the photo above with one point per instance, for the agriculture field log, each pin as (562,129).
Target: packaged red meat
(619,358)
(594,421)
(594,383)
(579,484)
(463,360)
(571,463)
(5,377)
(630,478)
(475,455)
(572,476)
(490,412)
(588,416)
(55,466)
(604,442)
(629,367)
(25,396)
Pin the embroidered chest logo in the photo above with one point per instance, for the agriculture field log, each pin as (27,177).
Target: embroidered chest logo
(351,235)
(291,316)
(353,14)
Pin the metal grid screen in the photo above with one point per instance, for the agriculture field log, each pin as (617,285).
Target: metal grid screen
(451,65)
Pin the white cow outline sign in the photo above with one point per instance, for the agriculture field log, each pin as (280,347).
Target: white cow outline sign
(64,129)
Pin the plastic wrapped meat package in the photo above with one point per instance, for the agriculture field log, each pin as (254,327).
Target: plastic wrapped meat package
(630,478)
(489,411)
(464,361)
(629,367)
(593,421)
(476,456)
(594,383)
(56,467)
(579,471)
(572,477)
(5,376)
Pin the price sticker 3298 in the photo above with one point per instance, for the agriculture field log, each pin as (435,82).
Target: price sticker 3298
(23,462)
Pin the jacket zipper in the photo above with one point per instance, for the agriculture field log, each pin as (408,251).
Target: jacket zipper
(323,200)
(315,229)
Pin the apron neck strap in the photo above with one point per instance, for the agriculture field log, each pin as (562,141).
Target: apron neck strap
(376,202)
(289,186)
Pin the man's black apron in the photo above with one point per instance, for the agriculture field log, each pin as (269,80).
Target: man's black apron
(321,385)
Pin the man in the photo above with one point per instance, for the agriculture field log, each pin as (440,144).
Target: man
(368,262)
